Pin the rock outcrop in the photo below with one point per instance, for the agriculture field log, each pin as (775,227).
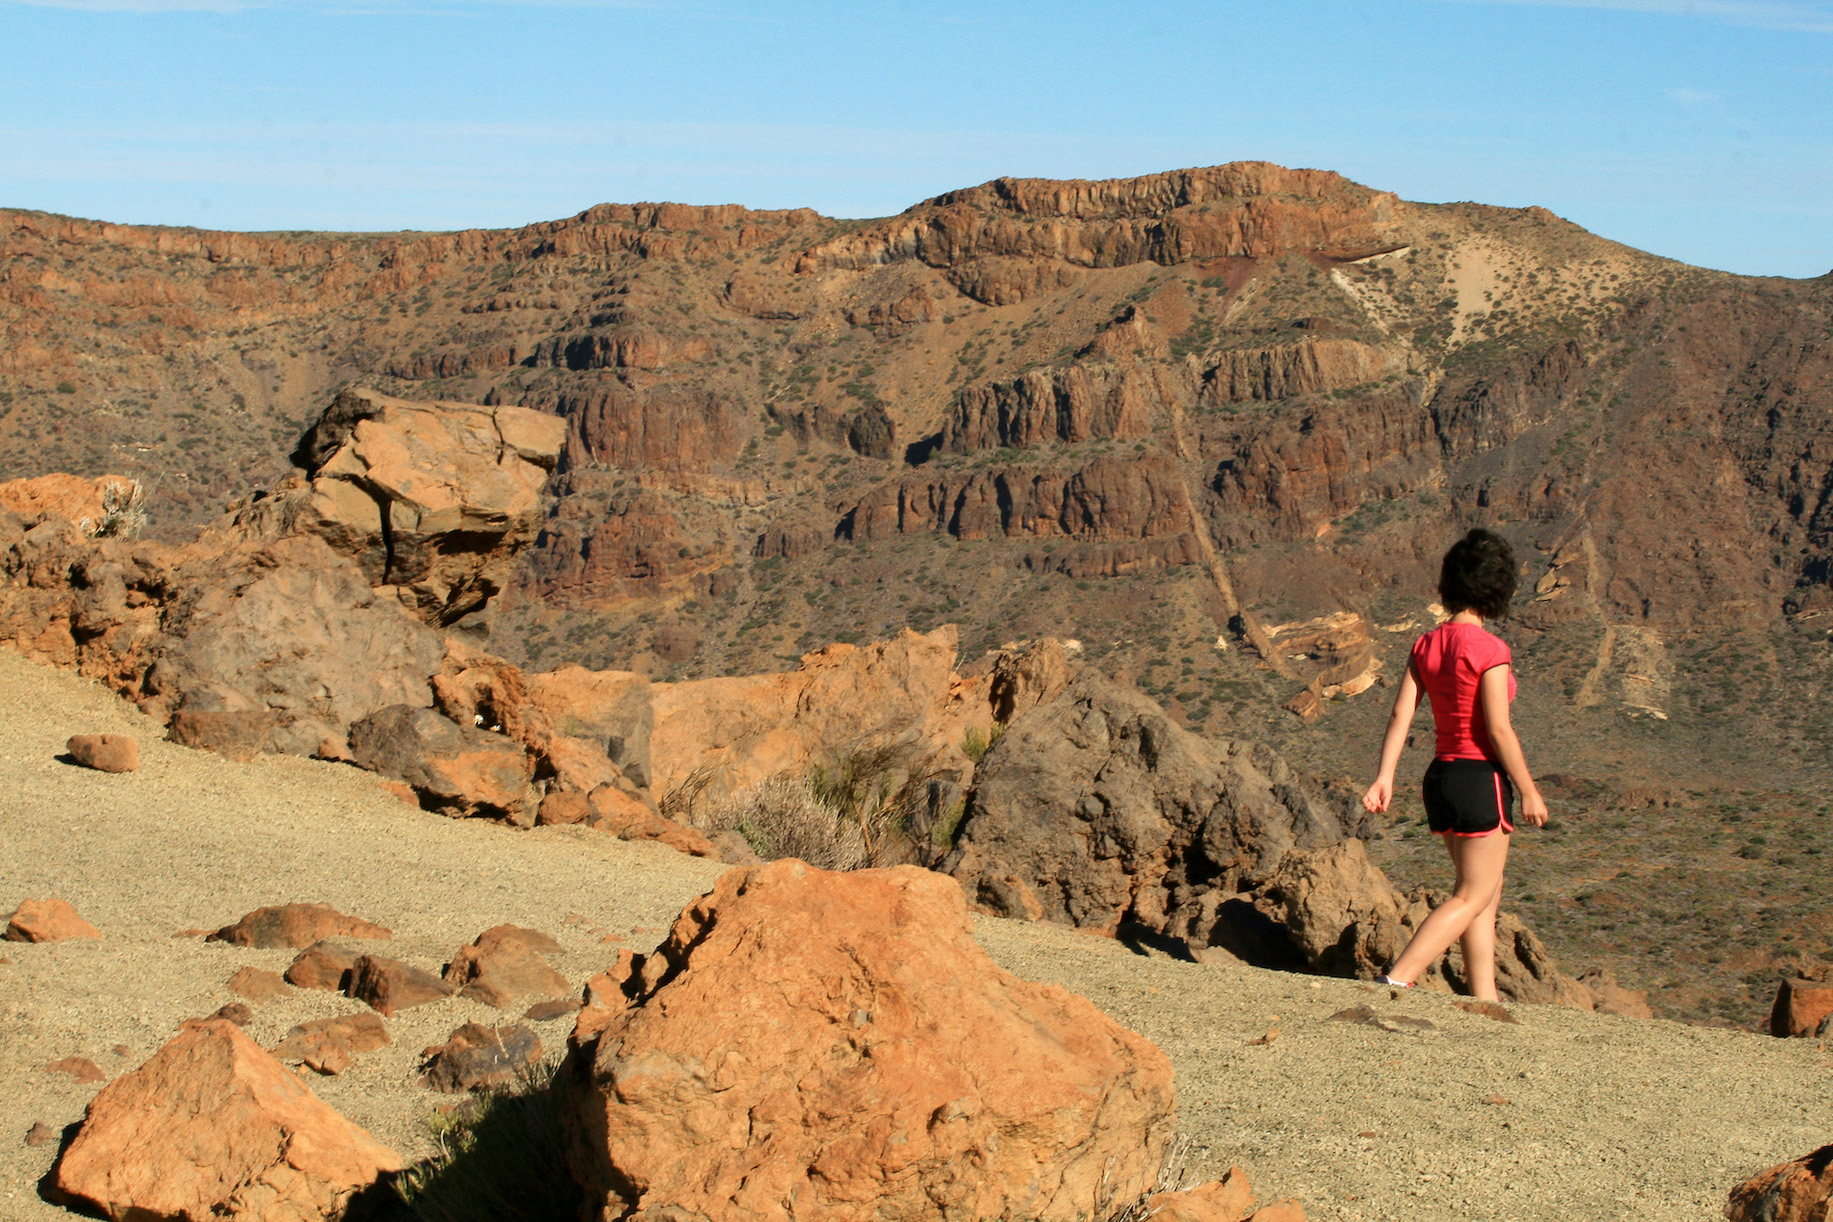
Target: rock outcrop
(1798,1191)
(1801,1006)
(738,732)
(1095,809)
(214,1128)
(432,500)
(875,1063)
(1104,811)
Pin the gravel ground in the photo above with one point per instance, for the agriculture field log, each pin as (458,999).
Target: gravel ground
(1560,1116)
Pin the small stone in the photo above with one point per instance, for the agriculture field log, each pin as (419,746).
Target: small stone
(387,985)
(122,1050)
(295,925)
(1355,1014)
(1495,1100)
(257,985)
(40,1134)
(1368,1133)
(81,1068)
(477,1056)
(322,965)
(1488,1009)
(1262,1041)
(48,920)
(238,1012)
(191,933)
(547,1011)
(105,752)
(330,1045)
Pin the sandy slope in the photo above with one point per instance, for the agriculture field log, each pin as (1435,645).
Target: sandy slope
(1605,1118)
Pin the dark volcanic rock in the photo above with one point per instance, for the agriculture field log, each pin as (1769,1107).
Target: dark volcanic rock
(459,770)
(388,985)
(1097,810)
(477,1057)
(1107,812)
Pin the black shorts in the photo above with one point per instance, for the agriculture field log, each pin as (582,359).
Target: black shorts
(1469,798)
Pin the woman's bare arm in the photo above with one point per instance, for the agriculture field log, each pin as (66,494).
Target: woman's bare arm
(1406,703)
(1492,690)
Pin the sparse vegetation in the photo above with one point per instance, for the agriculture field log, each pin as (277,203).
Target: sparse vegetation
(499,1158)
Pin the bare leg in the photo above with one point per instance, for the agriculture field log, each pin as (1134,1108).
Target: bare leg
(1479,942)
(1480,861)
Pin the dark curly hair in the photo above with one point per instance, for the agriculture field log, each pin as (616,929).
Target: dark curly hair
(1478,575)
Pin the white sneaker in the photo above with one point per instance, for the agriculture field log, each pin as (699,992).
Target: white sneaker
(1389,980)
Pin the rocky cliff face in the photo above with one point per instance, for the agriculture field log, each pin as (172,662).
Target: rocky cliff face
(1268,395)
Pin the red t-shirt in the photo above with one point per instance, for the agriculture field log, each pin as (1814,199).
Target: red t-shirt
(1448,662)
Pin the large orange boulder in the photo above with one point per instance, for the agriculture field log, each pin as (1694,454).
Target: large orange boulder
(1800,1191)
(213,1128)
(830,1047)
(1802,1005)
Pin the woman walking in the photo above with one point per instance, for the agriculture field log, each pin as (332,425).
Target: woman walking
(1478,767)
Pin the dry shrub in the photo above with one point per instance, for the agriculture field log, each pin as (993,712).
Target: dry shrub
(850,814)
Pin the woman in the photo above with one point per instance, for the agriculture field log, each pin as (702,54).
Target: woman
(1477,769)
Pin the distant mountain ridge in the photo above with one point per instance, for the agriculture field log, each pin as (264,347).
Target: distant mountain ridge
(1269,393)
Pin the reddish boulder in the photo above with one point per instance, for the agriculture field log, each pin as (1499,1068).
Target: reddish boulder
(329,1045)
(210,1129)
(816,1045)
(104,752)
(48,920)
(322,965)
(505,963)
(387,985)
(1801,1006)
(476,1057)
(628,818)
(295,925)
(563,807)
(1798,1191)
(40,1134)
(456,770)
(257,985)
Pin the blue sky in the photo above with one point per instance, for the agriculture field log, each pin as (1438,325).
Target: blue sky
(1699,129)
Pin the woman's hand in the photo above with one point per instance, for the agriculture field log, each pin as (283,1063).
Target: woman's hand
(1534,808)
(1382,792)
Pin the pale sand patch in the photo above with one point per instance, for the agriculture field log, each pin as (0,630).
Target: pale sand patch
(1606,1118)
